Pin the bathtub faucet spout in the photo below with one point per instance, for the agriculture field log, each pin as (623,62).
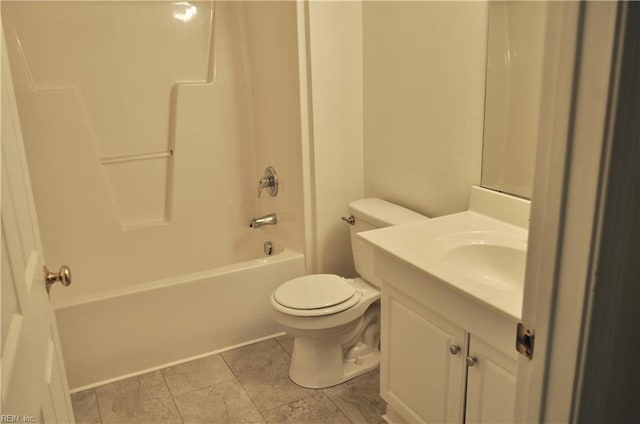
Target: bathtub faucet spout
(270,219)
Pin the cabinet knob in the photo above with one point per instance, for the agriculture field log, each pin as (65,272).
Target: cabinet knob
(454,349)
(472,361)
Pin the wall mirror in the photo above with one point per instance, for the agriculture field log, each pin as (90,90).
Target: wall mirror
(515,46)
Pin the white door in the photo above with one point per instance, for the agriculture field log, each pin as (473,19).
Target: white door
(566,206)
(34,385)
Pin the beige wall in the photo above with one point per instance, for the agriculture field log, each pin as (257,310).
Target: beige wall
(514,80)
(335,59)
(424,74)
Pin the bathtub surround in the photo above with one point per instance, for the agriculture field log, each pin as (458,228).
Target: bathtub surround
(176,166)
(106,232)
(247,384)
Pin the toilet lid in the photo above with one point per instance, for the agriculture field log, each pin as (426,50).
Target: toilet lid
(314,292)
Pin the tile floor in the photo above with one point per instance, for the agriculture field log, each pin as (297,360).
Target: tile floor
(245,385)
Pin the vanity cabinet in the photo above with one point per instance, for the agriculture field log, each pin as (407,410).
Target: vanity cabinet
(452,290)
(491,384)
(435,371)
(419,376)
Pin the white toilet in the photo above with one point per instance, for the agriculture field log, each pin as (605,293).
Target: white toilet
(335,321)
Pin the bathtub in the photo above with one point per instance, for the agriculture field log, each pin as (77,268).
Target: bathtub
(152,325)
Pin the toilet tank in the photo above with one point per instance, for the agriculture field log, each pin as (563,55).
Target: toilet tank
(371,214)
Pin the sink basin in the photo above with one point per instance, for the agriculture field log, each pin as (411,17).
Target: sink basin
(498,266)
(490,258)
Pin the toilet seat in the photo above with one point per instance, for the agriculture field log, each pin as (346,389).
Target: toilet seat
(315,295)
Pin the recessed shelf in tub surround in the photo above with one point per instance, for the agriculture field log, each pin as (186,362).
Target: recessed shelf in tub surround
(480,253)
(146,202)
(140,185)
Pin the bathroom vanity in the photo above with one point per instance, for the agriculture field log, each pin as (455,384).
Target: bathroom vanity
(451,300)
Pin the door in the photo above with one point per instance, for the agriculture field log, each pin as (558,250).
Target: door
(34,386)
(565,212)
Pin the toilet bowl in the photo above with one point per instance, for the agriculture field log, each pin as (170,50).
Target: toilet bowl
(332,342)
(335,321)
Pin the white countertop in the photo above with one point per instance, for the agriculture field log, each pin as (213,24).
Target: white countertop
(421,246)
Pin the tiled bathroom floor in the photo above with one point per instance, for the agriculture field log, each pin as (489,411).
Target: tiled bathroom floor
(245,385)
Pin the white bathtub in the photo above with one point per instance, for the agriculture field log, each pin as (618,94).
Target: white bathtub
(153,325)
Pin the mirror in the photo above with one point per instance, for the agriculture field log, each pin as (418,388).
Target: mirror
(515,45)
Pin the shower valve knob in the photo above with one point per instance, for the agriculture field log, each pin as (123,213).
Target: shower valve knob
(269,181)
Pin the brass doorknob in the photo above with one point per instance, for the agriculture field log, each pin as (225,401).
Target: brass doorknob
(64,276)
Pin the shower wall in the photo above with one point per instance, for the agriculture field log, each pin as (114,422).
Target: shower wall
(272,46)
(143,123)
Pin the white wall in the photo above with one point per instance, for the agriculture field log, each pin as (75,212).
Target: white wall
(397,103)
(335,66)
(424,74)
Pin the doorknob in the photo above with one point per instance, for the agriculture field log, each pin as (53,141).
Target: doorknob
(64,276)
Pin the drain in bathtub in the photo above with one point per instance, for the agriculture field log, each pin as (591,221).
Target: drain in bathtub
(268,248)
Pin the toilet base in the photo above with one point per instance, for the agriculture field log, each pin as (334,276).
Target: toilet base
(332,375)
(324,359)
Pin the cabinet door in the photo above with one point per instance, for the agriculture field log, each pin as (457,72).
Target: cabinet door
(420,378)
(491,384)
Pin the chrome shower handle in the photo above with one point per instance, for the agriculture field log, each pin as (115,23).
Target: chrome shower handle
(264,182)
(269,181)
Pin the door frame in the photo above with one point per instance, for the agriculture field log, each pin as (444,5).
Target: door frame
(581,75)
